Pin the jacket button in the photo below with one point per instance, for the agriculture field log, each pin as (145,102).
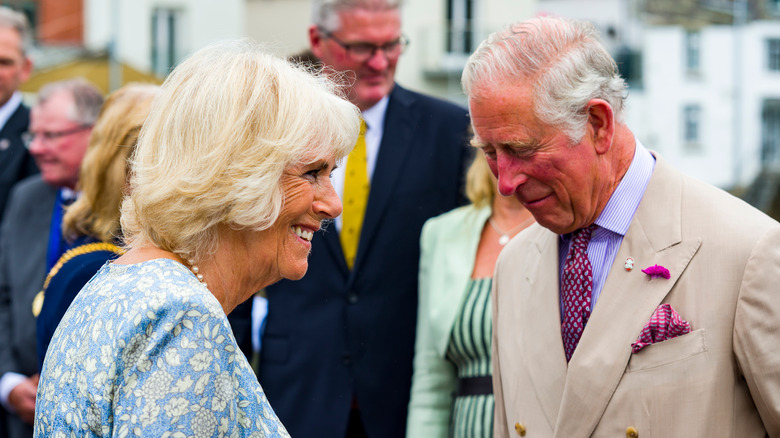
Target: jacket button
(352,297)
(631,432)
(520,429)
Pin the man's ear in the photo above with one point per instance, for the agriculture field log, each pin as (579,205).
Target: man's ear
(315,41)
(27,67)
(601,124)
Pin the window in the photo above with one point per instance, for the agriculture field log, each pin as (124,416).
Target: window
(460,36)
(773,54)
(773,6)
(167,47)
(770,132)
(691,127)
(692,52)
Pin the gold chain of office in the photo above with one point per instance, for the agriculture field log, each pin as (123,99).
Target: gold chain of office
(37,303)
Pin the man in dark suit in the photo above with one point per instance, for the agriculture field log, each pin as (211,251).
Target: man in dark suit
(15,67)
(31,238)
(337,349)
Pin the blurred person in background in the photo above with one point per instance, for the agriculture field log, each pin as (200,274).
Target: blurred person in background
(16,163)
(92,221)
(31,239)
(452,387)
(345,333)
(228,183)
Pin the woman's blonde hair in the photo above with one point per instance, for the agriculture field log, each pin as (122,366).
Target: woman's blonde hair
(480,182)
(227,122)
(103,173)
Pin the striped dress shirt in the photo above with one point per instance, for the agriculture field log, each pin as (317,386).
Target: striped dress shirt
(614,221)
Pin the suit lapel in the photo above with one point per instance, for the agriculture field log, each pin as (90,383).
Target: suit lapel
(330,239)
(397,140)
(541,334)
(626,303)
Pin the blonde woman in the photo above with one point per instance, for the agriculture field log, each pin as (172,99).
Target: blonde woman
(229,181)
(92,221)
(452,393)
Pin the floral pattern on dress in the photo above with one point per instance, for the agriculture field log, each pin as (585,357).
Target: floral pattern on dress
(146,350)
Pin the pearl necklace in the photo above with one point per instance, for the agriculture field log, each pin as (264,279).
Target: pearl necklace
(195,270)
(505,236)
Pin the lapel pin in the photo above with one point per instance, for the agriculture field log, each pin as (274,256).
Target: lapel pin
(657,271)
(629,265)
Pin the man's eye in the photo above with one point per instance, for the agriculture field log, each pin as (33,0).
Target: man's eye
(391,46)
(361,48)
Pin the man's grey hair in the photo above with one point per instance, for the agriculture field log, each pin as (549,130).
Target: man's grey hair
(17,21)
(87,99)
(324,13)
(564,59)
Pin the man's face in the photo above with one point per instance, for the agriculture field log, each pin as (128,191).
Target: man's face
(372,78)
(558,182)
(15,68)
(59,143)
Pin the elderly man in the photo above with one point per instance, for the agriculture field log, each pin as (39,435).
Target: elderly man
(337,349)
(30,237)
(15,67)
(646,303)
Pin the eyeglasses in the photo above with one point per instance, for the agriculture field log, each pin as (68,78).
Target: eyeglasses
(29,137)
(361,52)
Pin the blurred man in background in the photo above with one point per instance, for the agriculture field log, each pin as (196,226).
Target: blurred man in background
(337,349)
(31,239)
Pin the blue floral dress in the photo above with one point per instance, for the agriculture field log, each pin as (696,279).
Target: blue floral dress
(146,350)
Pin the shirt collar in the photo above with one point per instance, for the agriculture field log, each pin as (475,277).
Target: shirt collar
(622,205)
(10,107)
(375,115)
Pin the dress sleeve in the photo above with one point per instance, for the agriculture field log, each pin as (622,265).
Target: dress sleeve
(434,380)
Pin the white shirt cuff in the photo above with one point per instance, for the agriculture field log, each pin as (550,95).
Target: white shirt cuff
(7,384)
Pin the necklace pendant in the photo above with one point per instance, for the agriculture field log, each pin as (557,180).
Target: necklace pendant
(503,240)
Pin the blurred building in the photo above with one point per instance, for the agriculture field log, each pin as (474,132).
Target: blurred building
(111,42)
(704,84)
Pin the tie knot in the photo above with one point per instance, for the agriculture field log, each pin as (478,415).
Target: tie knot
(583,235)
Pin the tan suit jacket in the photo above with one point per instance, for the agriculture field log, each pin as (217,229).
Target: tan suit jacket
(722,379)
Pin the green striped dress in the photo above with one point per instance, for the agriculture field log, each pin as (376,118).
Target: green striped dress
(469,351)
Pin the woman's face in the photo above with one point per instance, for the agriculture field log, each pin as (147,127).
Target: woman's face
(309,198)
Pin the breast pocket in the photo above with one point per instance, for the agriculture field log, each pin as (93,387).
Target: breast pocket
(669,351)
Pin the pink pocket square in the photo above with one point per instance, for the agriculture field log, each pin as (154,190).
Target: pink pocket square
(665,324)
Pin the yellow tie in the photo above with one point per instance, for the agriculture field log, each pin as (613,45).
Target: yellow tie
(356,188)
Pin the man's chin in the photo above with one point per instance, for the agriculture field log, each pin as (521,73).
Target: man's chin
(370,95)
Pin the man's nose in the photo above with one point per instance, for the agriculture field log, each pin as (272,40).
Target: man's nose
(510,174)
(379,60)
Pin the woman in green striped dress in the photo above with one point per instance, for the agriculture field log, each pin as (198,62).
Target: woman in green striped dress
(452,392)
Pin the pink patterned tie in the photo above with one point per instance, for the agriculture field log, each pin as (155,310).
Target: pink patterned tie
(576,289)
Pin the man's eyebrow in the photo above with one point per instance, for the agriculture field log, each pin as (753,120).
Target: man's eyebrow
(527,144)
(518,144)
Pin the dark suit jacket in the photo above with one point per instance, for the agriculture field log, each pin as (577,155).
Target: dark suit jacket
(24,239)
(336,333)
(15,162)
